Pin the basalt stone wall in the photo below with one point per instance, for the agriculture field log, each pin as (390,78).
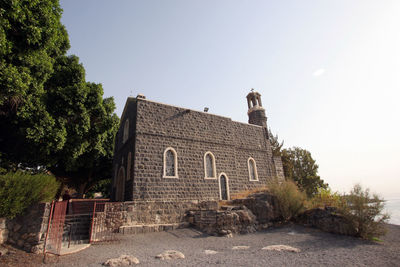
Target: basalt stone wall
(279,168)
(223,222)
(133,213)
(121,158)
(191,134)
(28,231)
(157,212)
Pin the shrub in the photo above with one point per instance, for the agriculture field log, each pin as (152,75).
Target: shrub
(102,186)
(325,198)
(366,211)
(19,190)
(290,200)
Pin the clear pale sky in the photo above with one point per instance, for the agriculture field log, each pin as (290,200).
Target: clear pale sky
(328,71)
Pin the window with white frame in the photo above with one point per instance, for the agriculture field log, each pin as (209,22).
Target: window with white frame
(209,166)
(170,163)
(126,131)
(251,163)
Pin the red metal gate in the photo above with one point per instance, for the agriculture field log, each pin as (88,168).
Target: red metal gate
(56,227)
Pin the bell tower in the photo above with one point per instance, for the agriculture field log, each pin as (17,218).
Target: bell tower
(256,112)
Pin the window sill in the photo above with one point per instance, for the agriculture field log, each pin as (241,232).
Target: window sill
(170,177)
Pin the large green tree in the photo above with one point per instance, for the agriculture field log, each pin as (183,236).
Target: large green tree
(31,38)
(299,166)
(49,115)
(89,124)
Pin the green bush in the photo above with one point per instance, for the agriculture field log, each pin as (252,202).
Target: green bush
(365,210)
(325,198)
(102,186)
(19,190)
(290,199)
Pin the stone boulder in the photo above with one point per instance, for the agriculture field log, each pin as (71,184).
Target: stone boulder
(235,220)
(3,250)
(170,255)
(123,260)
(327,220)
(281,248)
(263,205)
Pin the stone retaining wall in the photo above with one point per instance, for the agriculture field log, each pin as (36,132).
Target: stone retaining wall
(224,222)
(28,231)
(128,217)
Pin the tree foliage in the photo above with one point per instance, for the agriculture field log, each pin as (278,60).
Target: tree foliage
(31,38)
(299,166)
(54,118)
(88,122)
(275,144)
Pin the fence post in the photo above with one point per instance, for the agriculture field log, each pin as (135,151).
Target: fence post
(91,228)
(48,226)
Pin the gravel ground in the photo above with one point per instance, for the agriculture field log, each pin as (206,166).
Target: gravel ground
(317,249)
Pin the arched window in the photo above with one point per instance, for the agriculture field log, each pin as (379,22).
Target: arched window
(209,166)
(251,163)
(115,175)
(170,163)
(223,187)
(126,131)
(120,189)
(128,166)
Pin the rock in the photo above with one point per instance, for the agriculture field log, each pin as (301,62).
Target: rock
(262,227)
(17,227)
(3,251)
(328,220)
(20,243)
(36,249)
(24,236)
(240,247)
(2,223)
(170,255)
(281,248)
(123,260)
(210,252)
(27,247)
(263,205)
(225,232)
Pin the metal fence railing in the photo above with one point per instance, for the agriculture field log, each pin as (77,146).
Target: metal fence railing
(75,222)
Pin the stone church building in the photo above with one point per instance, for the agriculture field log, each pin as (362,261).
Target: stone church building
(168,153)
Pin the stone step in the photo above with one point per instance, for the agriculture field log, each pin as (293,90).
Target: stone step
(150,228)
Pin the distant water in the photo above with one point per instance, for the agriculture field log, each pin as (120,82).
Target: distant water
(392,206)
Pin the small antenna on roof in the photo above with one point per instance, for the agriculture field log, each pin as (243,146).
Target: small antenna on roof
(131,94)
